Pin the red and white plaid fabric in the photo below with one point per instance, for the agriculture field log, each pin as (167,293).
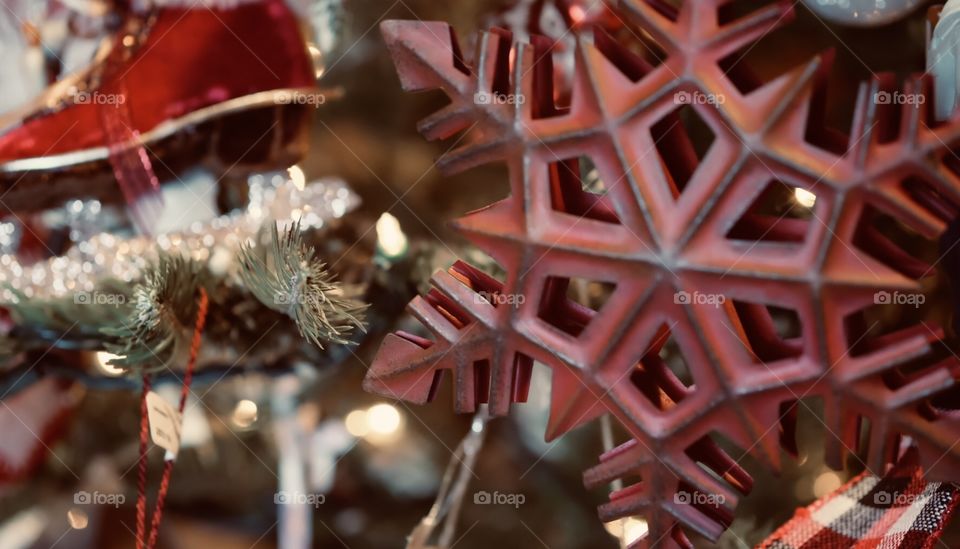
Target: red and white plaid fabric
(899,511)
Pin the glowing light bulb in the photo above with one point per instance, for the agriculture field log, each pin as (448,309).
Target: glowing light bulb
(356,423)
(298,177)
(77,519)
(804,197)
(634,529)
(628,530)
(577,14)
(244,414)
(390,238)
(103,362)
(383,419)
(826,483)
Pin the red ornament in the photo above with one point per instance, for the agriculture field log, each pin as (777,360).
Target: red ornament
(183,76)
(32,421)
(688,239)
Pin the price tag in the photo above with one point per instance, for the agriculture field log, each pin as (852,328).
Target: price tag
(165,424)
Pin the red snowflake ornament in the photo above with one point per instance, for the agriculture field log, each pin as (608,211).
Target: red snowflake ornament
(688,239)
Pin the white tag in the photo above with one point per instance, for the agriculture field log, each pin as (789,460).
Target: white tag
(164,424)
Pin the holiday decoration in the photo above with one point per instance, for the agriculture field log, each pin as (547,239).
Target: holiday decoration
(714,313)
(446,508)
(161,434)
(31,421)
(863,13)
(107,256)
(898,511)
(83,300)
(722,250)
(242,70)
(292,281)
(155,335)
(942,58)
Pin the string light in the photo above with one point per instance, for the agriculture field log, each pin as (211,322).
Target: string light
(804,197)
(103,362)
(77,519)
(390,238)
(383,419)
(826,483)
(298,178)
(244,414)
(356,423)
(577,14)
(628,530)
(317,57)
(381,423)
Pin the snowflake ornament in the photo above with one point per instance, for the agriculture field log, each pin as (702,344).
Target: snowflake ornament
(765,259)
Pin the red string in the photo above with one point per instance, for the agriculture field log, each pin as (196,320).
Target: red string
(144,428)
(142,480)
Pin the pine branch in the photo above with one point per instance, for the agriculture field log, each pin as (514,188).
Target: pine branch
(157,331)
(72,322)
(288,278)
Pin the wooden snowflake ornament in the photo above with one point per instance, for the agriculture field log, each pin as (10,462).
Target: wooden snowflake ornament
(767,260)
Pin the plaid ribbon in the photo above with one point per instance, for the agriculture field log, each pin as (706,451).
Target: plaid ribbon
(899,511)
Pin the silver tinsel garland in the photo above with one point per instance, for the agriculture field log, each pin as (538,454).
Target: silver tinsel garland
(273,197)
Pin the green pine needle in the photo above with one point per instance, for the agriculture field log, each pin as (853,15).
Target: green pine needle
(289,279)
(74,321)
(158,328)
